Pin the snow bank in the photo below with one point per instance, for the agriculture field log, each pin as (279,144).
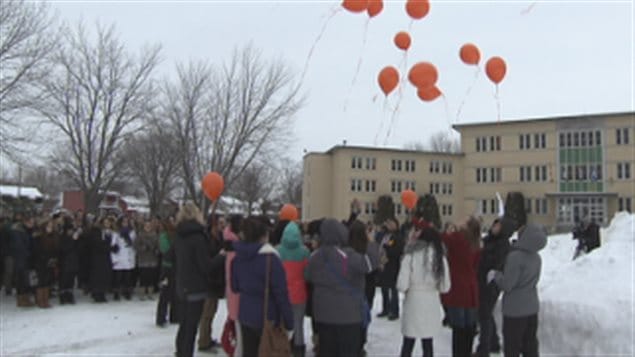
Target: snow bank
(587,304)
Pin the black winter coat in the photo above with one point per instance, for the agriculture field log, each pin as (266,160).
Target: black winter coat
(21,247)
(387,277)
(69,254)
(493,255)
(101,265)
(193,264)
(217,278)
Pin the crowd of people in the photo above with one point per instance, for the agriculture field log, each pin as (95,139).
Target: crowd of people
(326,270)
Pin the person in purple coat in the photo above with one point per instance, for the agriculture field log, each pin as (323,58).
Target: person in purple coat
(248,279)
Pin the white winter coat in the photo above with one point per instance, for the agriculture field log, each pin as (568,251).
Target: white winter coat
(422,310)
(125,258)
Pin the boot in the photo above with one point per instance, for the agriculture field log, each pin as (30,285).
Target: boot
(39,297)
(24,300)
(298,351)
(45,298)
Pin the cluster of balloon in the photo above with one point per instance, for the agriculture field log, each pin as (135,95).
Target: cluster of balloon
(424,76)
(409,199)
(212,185)
(288,212)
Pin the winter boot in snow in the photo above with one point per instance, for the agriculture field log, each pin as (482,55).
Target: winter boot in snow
(24,300)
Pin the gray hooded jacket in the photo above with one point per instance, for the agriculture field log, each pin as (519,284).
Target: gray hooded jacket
(522,272)
(333,301)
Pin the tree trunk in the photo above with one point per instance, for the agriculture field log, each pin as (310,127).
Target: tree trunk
(91,201)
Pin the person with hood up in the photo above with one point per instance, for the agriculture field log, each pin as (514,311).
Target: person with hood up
(493,254)
(255,258)
(518,281)
(424,273)
(295,258)
(338,274)
(193,268)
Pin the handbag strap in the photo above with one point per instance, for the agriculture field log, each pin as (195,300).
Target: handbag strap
(266,304)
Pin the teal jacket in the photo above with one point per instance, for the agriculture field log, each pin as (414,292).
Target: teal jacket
(295,258)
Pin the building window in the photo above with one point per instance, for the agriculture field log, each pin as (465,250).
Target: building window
(410,165)
(598,138)
(623,170)
(498,143)
(478,144)
(499,174)
(450,188)
(622,137)
(562,141)
(493,206)
(398,209)
(483,207)
(624,204)
(450,210)
(356,162)
(444,168)
(434,167)
(521,173)
(371,163)
(521,142)
(543,141)
(528,205)
(371,185)
(450,168)
(540,206)
(356,185)
(443,210)
(492,143)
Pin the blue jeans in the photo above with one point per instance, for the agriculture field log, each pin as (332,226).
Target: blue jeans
(390,301)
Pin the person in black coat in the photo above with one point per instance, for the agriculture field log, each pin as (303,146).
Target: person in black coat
(22,249)
(45,250)
(193,267)
(101,238)
(493,255)
(68,260)
(391,245)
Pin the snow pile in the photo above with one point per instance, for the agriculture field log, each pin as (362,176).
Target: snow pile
(587,304)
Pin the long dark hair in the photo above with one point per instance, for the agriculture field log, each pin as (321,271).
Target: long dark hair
(433,238)
(472,232)
(358,237)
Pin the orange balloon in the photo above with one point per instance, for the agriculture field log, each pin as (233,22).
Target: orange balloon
(423,74)
(428,94)
(355,5)
(417,9)
(374,7)
(409,198)
(496,69)
(402,40)
(288,212)
(388,79)
(470,54)
(213,185)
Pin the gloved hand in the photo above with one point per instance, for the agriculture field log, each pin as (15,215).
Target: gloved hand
(491,275)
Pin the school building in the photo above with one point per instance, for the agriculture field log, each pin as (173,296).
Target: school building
(568,168)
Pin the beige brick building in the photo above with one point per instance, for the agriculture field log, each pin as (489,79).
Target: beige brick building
(566,167)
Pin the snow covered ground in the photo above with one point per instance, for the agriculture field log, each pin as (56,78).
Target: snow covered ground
(586,309)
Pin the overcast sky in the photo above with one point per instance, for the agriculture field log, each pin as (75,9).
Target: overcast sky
(571,57)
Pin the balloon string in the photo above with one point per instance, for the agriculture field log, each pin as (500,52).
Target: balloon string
(498,104)
(529,8)
(358,67)
(393,118)
(334,10)
(467,93)
(381,122)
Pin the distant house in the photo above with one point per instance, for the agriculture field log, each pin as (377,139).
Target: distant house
(19,198)
(112,202)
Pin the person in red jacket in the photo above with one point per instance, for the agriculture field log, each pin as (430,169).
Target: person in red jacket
(295,258)
(463,253)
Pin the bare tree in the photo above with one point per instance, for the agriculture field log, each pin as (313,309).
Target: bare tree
(224,119)
(27,38)
(151,159)
(256,183)
(290,183)
(441,141)
(95,97)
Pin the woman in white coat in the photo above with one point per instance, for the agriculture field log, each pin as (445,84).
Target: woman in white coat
(423,275)
(123,259)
